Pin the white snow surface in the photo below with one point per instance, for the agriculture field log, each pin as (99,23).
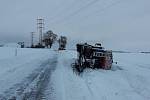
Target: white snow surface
(14,69)
(127,80)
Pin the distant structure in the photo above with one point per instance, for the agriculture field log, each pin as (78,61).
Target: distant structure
(1,45)
(21,44)
(62,43)
(40,28)
(47,39)
(32,39)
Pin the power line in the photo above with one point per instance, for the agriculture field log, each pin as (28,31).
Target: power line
(71,5)
(108,6)
(103,9)
(77,11)
(96,12)
(62,10)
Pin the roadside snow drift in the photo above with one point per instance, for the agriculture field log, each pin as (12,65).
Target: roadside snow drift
(18,73)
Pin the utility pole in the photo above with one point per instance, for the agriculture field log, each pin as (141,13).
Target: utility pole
(32,37)
(40,28)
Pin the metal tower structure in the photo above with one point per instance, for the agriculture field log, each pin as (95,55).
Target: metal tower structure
(32,37)
(40,28)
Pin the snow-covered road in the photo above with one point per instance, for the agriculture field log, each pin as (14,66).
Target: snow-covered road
(42,74)
(128,80)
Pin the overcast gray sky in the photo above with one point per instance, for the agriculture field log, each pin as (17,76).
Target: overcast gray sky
(118,24)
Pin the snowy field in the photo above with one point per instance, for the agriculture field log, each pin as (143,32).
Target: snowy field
(43,74)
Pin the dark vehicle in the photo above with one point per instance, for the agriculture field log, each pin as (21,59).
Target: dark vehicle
(93,57)
(62,43)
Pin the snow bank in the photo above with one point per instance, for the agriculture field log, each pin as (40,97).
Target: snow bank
(12,45)
(13,69)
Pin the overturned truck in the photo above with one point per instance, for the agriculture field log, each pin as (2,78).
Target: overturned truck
(93,57)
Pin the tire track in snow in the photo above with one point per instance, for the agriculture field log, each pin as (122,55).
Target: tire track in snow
(136,82)
(87,83)
(33,87)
